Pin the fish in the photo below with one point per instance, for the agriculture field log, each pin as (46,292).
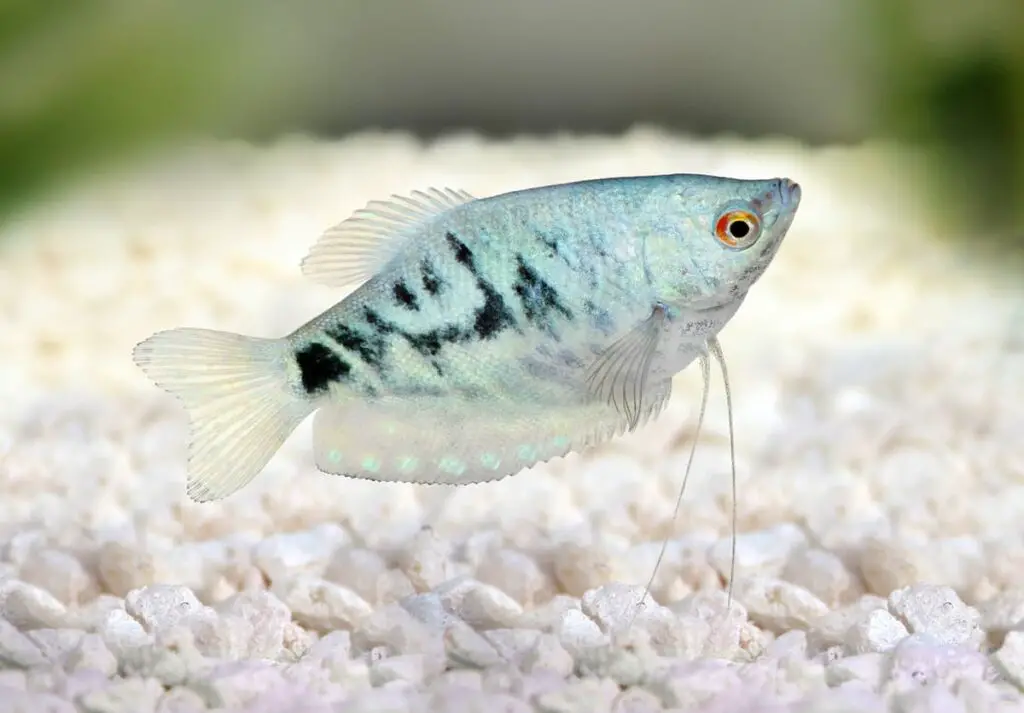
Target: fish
(480,336)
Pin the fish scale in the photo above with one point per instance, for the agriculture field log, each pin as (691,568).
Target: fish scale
(483,335)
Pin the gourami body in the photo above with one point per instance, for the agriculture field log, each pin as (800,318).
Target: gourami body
(484,335)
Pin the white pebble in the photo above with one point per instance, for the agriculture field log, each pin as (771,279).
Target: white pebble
(636,700)
(161,606)
(830,630)
(465,647)
(321,605)
(180,700)
(295,641)
(1009,659)
(1003,612)
(758,554)
(294,553)
(693,685)
(121,633)
(547,654)
(887,565)
(517,574)
(578,632)
(266,617)
(485,607)
(25,702)
(91,654)
(123,567)
(512,645)
(408,668)
(427,560)
(173,659)
(55,644)
(29,607)
(589,695)
(131,695)
(13,679)
(777,605)
(922,660)
(359,570)
(823,574)
(878,631)
(867,668)
(615,606)
(61,574)
(236,684)
(548,616)
(16,649)
(394,627)
(579,568)
(939,612)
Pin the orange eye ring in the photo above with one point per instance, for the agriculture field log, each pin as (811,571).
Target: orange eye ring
(738,229)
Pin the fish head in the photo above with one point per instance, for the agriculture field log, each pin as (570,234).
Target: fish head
(727,233)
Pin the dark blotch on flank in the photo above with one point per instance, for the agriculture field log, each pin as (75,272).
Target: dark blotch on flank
(369,348)
(537,297)
(494,316)
(461,251)
(404,296)
(430,343)
(432,282)
(550,243)
(319,367)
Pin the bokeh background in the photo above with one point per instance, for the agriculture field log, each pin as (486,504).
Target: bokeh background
(88,83)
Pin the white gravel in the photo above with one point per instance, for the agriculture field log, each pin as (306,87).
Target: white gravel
(879,386)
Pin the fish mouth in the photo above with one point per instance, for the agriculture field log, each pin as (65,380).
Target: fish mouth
(789,192)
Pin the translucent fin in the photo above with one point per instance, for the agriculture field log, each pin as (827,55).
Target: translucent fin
(618,376)
(705,374)
(353,250)
(236,392)
(456,441)
(716,350)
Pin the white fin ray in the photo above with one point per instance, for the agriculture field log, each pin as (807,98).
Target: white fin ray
(618,376)
(457,442)
(236,392)
(352,251)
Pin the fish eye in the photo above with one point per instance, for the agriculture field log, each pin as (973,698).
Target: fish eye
(738,229)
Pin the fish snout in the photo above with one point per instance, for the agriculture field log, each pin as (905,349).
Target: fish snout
(789,193)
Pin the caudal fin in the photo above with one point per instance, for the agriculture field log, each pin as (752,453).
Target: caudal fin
(239,401)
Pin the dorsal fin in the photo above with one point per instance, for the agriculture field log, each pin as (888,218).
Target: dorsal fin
(354,249)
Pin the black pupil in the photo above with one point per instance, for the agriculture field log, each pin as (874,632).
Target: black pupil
(739,229)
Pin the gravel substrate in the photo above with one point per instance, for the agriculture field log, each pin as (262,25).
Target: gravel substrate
(879,388)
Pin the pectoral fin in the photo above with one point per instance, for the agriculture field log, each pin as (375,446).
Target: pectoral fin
(619,375)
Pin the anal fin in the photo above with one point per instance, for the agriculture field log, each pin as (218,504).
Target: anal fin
(456,441)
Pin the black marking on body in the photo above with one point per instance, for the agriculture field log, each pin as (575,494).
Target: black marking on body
(550,243)
(536,296)
(432,282)
(404,296)
(494,317)
(370,348)
(463,255)
(319,367)
(371,342)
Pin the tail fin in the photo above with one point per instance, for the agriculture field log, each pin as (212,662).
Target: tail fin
(239,401)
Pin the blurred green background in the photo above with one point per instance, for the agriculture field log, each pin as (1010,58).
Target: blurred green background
(87,82)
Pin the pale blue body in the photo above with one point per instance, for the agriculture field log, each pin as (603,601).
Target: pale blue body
(484,335)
